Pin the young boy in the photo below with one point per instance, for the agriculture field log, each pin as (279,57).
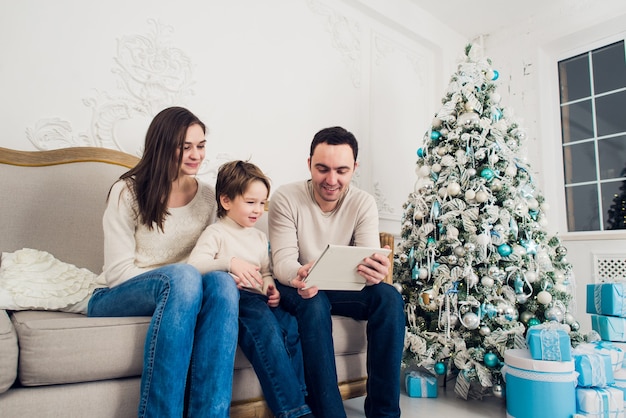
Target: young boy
(267,334)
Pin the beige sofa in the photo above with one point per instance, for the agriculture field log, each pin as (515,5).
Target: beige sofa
(57,364)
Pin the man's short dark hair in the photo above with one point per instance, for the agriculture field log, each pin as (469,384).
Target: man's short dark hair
(335,136)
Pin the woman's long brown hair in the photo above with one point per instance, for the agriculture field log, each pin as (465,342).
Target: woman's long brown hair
(151,179)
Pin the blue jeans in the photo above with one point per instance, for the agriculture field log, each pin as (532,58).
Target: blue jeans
(193,330)
(382,306)
(269,339)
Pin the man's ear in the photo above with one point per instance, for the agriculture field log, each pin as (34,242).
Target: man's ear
(225,201)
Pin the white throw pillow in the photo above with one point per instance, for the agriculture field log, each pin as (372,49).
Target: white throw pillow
(35,280)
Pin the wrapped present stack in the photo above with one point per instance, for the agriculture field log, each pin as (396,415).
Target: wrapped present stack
(541,379)
(597,363)
(606,302)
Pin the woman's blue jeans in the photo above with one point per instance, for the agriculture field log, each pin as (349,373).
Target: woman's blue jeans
(382,306)
(193,330)
(269,339)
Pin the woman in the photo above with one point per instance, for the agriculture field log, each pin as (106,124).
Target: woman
(154,216)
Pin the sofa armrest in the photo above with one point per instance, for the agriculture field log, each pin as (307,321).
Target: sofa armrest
(387,239)
(8,352)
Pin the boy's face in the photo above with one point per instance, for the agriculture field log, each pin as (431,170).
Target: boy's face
(248,208)
(332,167)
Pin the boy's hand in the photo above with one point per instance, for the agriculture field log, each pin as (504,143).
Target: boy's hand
(273,296)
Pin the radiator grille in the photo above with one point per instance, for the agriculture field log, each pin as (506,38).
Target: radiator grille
(609,267)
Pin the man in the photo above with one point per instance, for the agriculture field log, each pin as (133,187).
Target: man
(303,218)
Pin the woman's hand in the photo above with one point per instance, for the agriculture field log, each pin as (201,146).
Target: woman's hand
(247,274)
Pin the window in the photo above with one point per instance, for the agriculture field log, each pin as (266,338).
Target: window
(593,132)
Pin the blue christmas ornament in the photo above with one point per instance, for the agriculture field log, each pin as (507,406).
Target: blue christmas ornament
(420,152)
(440,368)
(533,214)
(435,135)
(487,174)
(491,360)
(430,241)
(530,246)
(496,74)
(504,250)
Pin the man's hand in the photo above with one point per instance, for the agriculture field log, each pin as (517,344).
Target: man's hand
(300,284)
(247,274)
(375,268)
(273,296)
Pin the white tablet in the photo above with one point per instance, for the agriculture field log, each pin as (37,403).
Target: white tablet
(335,269)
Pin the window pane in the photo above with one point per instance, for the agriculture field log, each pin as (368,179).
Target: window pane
(579,162)
(610,113)
(609,68)
(576,121)
(574,78)
(582,208)
(612,157)
(614,204)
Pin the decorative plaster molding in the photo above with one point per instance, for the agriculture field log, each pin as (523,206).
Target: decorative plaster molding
(384,47)
(152,75)
(346,36)
(381,201)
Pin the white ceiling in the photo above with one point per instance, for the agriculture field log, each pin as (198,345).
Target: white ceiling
(480,17)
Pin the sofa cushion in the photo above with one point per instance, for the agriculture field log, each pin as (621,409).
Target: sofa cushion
(59,347)
(8,352)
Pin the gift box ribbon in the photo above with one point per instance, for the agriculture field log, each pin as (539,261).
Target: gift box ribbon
(603,398)
(550,343)
(425,381)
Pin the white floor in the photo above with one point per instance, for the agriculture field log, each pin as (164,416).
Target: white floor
(447,404)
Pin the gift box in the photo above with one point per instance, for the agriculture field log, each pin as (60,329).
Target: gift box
(549,342)
(606,348)
(420,385)
(593,369)
(606,299)
(610,328)
(550,385)
(621,346)
(620,381)
(600,402)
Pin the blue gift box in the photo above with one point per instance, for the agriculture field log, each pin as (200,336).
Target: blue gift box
(537,388)
(610,328)
(620,381)
(593,369)
(549,342)
(420,385)
(606,348)
(607,299)
(600,402)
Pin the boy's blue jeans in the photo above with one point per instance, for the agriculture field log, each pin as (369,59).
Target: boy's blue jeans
(193,329)
(269,339)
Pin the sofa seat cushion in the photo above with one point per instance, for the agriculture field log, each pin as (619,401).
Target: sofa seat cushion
(59,347)
(8,352)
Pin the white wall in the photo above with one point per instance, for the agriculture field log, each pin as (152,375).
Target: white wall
(264,77)
(527,55)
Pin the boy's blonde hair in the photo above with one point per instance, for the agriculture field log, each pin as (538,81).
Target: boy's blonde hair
(233,179)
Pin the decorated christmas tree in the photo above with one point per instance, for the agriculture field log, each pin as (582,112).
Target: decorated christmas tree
(475,263)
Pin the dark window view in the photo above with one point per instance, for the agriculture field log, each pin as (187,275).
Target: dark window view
(593,133)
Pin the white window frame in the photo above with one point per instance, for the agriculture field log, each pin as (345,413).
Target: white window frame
(550,125)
